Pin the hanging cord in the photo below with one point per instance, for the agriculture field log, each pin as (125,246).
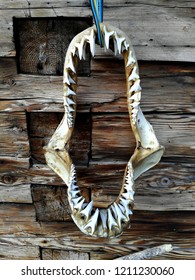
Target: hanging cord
(97,10)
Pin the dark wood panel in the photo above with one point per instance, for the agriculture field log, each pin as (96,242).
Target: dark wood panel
(13,135)
(42,51)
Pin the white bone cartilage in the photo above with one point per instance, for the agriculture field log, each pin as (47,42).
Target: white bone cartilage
(110,221)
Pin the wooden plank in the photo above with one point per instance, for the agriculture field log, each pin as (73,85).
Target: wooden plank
(112,136)
(166,87)
(16,212)
(7,45)
(162,188)
(8,164)
(148,229)
(15,194)
(52,254)
(148,30)
(14,252)
(13,135)
(9,4)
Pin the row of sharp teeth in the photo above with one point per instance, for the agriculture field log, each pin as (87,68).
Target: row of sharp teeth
(79,50)
(101,222)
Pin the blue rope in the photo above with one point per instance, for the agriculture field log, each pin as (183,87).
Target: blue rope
(100,9)
(97,18)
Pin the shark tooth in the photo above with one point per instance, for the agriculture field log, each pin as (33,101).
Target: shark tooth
(107,36)
(91,40)
(74,50)
(111,220)
(104,217)
(92,223)
(134,75)
(130,60)
(87,210)
(136,96)
(73,194)
(125,204)
(125,46)
(68,79)
(128,195)
(70,101)
(79,205)
(70,109)
(74,187)
(70,64)
(81,49)
(135,104)
(76,200)
(119,41)
(135,87)
(69,92)
(120,216)
(128,187)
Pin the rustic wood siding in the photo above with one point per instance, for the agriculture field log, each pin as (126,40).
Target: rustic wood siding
(34,215)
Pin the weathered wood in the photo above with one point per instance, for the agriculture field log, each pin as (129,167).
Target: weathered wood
(12,252)
(16,194)
(8,164)
(166,87)
(16,212)
(112,137)
(150,43)
(49,254)
(173,227)
(176,181)
(14,138)
(9,4)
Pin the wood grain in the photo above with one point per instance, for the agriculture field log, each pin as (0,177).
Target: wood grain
(172,227)
(112,137)
(172,37)
(166,88)
(14,252)
(49,254)
(16,194)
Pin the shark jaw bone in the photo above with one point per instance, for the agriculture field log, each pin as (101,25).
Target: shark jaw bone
(110,221)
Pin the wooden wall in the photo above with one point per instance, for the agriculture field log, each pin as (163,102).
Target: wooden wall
(34,215)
